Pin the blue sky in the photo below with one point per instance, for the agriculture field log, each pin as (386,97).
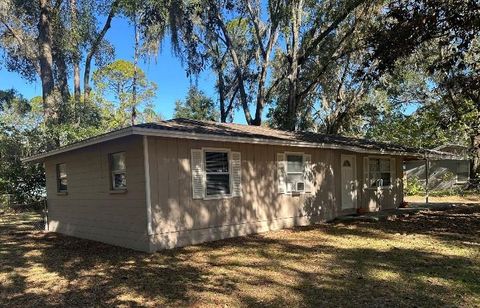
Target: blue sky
(166,71)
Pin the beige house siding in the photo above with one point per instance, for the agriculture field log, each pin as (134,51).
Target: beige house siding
(375,199)
(179,220)
(90,210)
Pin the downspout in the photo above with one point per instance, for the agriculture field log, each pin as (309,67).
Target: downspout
(427,171)
(45,210)
(148,196)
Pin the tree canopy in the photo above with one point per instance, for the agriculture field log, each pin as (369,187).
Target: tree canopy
(197,106)
(404,71)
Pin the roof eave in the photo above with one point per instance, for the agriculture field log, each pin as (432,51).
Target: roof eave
(250,140)
(94,140)
(209,137)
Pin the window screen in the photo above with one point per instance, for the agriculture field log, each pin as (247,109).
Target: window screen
(295,172)
(379,172)
(62,181)
(217,173)
(119,170)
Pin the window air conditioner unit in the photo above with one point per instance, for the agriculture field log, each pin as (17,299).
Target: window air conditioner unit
(300,186)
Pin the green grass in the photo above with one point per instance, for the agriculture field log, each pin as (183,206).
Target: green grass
(428,259)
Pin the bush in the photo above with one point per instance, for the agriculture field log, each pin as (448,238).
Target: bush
(414,187)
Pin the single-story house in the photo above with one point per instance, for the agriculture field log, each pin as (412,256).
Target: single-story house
(442,173)
(179,182)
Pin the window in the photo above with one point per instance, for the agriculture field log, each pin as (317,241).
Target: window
(119,171)
(379,172)
(463,171)
(295,174)
(217,173)
(62,182)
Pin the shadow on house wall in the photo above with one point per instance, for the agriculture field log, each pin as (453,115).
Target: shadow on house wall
(180,220)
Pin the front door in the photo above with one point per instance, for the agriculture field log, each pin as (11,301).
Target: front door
(349,187)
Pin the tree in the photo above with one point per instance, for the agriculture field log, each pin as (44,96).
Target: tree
(251,36)
(443,37)
(422,129)
(20,135)
(117,80)
(43,38)
(197,106)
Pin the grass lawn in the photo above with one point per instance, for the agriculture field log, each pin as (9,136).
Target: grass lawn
(428,259)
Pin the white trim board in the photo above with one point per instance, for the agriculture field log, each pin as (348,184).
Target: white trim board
(209,137)
(148,194)
(91,141)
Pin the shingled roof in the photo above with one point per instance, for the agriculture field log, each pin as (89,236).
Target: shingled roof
(205,130)
(262,132)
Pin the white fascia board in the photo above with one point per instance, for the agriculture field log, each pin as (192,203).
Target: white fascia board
(249,140)
(196,136)
(95,140)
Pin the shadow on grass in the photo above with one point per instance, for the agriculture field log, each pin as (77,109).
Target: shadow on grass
(308,266)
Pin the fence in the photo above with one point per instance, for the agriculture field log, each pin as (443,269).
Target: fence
(7,203)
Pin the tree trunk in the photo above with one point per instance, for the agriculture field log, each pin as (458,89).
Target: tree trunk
(76,56)
(221,92)
(291,118)
(76,80)
(238,69)
(62,75)
(94,49)
(46,63)
(135,70)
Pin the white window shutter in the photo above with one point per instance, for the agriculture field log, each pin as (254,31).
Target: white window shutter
(393,175)
(198,183)
(236,174)
(365,173)
(281,173)
(308,172)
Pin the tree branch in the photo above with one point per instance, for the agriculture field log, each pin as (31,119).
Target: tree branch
(316,40)
(28,53)
(256,26)
(95,46)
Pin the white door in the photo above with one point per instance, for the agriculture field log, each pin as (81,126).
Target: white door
(349,181)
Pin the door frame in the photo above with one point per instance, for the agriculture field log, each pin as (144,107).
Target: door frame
(354,160)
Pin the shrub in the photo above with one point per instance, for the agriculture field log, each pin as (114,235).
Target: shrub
(414,187)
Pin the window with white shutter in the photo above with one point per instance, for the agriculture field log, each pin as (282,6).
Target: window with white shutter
(216,173)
